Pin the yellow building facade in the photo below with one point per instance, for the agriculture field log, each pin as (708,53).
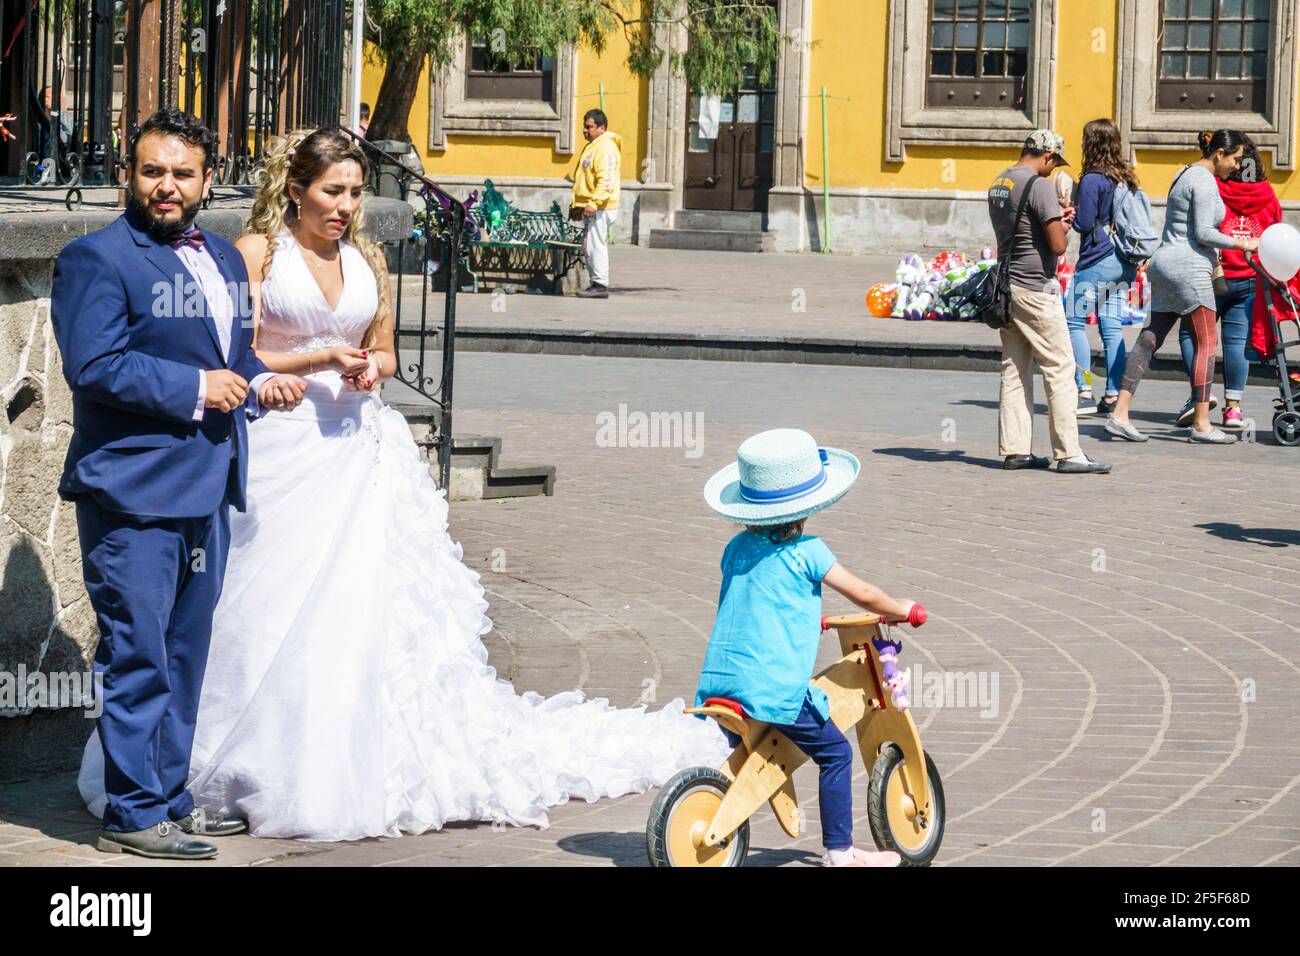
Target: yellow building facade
(925,102)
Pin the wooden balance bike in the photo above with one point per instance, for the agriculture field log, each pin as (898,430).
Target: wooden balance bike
(701,816)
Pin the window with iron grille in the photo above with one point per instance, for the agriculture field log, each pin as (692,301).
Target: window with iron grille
(1214,54)
(490,76)
(978,54)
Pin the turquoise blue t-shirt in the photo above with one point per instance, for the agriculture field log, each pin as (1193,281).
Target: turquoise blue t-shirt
(764,641)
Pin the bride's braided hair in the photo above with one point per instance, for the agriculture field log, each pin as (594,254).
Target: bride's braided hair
(301,157)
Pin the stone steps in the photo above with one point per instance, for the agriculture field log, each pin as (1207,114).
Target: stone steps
(476,469)
(717,230)
(476,472)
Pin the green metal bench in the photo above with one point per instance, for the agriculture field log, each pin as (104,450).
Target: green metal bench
(545,242)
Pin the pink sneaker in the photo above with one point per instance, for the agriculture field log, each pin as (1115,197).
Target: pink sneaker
(1232,418)
(879,858)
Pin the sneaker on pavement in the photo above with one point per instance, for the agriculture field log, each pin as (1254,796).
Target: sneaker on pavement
(1089,467)
(1123,430)
(594,291)
(1232,418)
(1214,436)
(1107,405)
(879,858)
(1188,411)
(1087,404)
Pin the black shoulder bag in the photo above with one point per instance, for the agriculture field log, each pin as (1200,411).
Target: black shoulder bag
(989,292)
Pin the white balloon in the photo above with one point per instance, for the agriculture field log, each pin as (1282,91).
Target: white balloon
(1279,251)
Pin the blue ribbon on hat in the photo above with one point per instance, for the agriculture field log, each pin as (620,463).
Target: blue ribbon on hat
(792,491)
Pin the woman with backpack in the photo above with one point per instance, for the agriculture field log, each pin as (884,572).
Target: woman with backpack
(1101,277)
(1252,207)
(1182,282)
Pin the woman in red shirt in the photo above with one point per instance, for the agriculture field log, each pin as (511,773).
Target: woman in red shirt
(1252,208)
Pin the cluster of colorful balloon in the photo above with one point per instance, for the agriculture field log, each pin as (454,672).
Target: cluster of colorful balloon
(921,288)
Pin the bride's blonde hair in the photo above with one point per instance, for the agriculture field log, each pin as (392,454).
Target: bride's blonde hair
(301,157)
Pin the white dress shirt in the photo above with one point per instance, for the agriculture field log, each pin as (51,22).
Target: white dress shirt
(204,269)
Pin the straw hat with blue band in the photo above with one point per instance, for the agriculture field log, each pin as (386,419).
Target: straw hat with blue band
(780,476)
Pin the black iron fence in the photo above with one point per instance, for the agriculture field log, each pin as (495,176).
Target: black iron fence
(77,77)
(435,246)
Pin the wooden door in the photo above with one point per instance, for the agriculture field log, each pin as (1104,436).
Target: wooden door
(733,171)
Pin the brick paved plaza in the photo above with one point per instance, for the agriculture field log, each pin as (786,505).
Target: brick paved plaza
(1141,627)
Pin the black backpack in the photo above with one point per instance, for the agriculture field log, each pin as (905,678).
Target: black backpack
(989,292)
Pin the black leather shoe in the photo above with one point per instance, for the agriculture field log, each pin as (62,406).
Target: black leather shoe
(1016,462)
(164,841)
(594,291)
(202,822)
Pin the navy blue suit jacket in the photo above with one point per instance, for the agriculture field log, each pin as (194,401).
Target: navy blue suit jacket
(135,330)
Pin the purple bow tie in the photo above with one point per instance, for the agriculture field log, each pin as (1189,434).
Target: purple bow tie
(192,237)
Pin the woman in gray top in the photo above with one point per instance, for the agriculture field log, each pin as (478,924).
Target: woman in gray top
(1182,285)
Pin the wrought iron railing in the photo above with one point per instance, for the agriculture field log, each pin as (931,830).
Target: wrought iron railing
(251,69)
(436,244)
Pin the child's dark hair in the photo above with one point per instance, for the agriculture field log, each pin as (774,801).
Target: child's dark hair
(780,533)
(1251,169)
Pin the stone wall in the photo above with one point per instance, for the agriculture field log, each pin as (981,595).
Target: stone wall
(47,627)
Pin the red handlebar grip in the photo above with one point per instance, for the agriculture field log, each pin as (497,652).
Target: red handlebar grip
(917,616)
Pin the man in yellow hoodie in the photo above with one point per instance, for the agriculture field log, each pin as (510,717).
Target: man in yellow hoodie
(595,196)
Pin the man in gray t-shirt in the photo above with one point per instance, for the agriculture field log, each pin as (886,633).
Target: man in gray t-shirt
(1033,263)
(1036,332)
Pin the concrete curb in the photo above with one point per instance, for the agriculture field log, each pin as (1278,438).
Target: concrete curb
(721,347)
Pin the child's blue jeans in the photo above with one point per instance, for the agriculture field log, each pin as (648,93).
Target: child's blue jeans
(827,747)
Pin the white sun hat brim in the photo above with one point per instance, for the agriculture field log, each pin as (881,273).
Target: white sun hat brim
(722,492)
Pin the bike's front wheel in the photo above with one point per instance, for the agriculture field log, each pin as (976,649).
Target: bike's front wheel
(895,824)
(681,816)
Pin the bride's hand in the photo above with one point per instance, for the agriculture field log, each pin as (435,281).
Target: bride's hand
(368,380)
(346,360)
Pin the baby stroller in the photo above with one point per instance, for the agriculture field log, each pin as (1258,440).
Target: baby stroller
(1286,418)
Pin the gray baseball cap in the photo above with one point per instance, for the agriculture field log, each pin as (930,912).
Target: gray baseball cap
(1047,141)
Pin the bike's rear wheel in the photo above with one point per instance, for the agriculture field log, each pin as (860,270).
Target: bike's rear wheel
(680,817)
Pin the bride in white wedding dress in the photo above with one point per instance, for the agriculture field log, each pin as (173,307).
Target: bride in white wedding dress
(347,691)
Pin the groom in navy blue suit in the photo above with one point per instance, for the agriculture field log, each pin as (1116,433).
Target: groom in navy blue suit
(154,321)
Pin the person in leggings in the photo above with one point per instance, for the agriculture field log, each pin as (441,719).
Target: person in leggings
(1182,286)
(1252,207)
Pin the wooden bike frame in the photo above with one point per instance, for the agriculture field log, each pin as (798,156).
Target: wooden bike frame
(762,767)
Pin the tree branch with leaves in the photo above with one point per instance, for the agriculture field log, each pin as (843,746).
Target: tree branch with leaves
(712,43)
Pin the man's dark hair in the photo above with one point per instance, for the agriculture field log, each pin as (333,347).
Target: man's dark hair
(182,125)
(1036,153)
(365,110)
(597,115)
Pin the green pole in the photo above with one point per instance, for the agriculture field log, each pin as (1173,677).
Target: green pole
(601,87)
(826,177)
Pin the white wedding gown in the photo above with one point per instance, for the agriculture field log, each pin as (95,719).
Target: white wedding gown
(347,691)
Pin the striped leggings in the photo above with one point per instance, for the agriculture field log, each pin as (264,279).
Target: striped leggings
(1205,342)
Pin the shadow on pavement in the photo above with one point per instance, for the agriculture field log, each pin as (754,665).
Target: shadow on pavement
(934,455)
(1268,537)
(628,849)
(1158,418)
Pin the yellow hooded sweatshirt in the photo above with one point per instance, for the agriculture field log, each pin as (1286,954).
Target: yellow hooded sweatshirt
(595,180)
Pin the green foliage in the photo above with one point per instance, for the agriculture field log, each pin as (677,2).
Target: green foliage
(724,36)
